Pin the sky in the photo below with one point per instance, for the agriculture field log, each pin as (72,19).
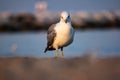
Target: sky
(58,5)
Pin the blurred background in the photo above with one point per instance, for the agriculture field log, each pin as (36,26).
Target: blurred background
(94,54)
(23,26)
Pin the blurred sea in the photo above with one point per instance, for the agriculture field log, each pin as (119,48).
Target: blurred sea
(102,42)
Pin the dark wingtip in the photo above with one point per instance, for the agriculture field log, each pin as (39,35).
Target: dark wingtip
(45,49)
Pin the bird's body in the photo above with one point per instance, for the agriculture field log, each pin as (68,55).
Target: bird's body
(60,34)
(64,35)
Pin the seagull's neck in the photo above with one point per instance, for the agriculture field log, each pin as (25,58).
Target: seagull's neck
(62,22)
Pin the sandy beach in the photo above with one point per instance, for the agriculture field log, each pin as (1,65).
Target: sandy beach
(84,68)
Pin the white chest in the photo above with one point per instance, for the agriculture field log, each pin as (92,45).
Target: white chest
(64,35)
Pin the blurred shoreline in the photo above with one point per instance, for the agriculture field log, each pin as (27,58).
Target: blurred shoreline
(28,68)
(81,20)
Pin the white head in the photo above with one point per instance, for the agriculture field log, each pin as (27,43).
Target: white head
(65,17)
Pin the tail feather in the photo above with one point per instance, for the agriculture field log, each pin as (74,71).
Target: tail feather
(46,49)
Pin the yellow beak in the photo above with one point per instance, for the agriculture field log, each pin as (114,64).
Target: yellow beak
(65,21)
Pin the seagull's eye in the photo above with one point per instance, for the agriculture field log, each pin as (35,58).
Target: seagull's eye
(68,16)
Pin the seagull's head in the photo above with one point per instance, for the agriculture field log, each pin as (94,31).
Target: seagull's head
(65,17)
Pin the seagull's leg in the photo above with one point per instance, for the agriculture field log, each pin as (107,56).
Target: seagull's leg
(62,52)
(56,55)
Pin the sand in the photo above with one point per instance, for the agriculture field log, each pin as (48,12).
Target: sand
(28,68)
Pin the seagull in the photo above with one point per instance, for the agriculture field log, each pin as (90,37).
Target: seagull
(60,35)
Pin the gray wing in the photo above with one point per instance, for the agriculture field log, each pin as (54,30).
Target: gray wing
(50,37)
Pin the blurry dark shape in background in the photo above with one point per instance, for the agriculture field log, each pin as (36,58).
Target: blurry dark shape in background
(102,18)
(42,20)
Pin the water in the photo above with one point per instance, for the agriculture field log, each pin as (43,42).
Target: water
(104,43)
